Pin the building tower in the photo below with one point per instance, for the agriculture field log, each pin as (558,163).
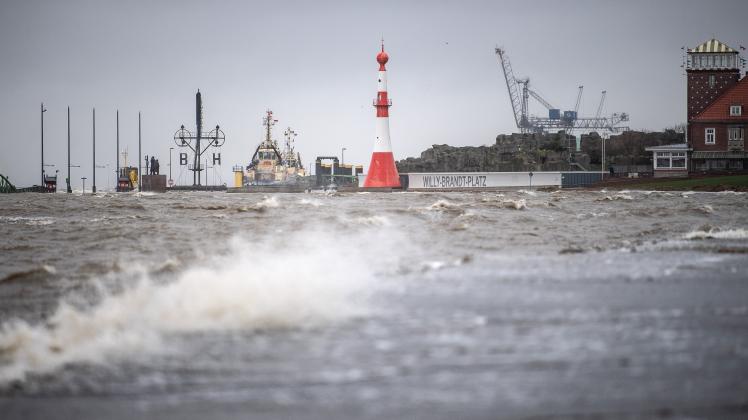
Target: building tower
(711,69)
(382,170)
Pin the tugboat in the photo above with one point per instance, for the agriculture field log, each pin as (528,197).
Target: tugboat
(271,166)
(127,178)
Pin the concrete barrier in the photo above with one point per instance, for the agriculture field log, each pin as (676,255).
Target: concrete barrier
(154,183)
(444,181)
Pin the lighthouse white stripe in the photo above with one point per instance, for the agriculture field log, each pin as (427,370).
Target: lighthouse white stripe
(382,142)
(382,82)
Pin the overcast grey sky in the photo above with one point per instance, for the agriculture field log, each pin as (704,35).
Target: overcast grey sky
(313,63)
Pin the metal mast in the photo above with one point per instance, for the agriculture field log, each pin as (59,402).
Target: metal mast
(44,181)
(196,173)
(93,188)
(140,159)
(185,138)
(70,190)
(117,174)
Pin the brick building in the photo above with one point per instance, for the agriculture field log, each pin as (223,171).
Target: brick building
(717,108)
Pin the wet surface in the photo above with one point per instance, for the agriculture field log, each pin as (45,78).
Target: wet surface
(526,304)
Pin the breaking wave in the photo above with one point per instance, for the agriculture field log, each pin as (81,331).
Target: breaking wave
(266,203)
(620,196)
(717,234)
(40,272)
(251,288)
(519,204)
(445,206)
(29,221)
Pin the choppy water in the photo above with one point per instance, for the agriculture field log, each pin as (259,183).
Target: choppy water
(526,304)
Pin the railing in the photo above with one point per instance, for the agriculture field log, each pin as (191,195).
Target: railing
(375,102)
(735,145)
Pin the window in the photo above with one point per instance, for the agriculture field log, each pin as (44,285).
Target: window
(736,110)
(735,133)
(662,160)
(678,160)
(712,80)
(709,136)
(670,160)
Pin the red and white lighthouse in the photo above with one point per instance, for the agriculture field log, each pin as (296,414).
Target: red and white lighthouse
(382,170)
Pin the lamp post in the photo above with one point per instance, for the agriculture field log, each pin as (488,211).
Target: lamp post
(42,118)
(83,178)
(171,181)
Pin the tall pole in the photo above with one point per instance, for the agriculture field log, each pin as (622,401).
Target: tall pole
(67,180)
(117,173)
(196,173)
(602,160)
(140,158)
(170,149)
(42,118)
(93,188)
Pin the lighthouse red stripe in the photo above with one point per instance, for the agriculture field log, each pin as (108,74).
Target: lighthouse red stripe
(382,171)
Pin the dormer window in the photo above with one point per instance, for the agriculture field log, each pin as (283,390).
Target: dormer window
(736,110)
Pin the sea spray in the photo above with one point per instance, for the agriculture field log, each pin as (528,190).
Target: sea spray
(285,283)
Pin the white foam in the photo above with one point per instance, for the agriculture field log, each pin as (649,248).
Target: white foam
(29,221)
(308,202)
(519,204)
(254,287)
(373,221)
(528,192)
(268,202)
(444,205)
(717,234)
(619,196)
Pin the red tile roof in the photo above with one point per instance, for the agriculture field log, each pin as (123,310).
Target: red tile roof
(719,109)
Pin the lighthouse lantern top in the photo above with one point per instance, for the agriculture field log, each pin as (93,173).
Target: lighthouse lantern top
(382,57)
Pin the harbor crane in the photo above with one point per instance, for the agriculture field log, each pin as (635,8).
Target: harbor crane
(520,92)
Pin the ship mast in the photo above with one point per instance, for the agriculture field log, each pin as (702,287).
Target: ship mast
(288,153)
(268,122)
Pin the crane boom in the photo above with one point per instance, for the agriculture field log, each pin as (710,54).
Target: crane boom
(540,99)
(511,86)
(579,99)
(602,102)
